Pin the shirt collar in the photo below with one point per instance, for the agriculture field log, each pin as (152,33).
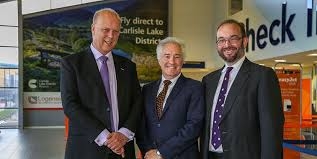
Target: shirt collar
(97,54)
(172,80)
(235,66)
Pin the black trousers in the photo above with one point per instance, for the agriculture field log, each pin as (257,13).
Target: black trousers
(112,155)
(214,155)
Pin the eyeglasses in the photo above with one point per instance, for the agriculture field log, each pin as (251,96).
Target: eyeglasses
(231,40)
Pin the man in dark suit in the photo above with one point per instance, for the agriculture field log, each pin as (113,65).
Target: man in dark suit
(101,96)
(174,109)
(244,117)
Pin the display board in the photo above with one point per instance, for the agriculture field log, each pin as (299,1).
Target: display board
(49,36)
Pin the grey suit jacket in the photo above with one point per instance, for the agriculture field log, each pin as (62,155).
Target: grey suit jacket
(252,123)
(85,104)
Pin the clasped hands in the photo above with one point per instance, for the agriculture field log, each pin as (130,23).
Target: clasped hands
(115,142)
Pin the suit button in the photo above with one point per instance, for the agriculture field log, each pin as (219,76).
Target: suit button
(158,125)
(108,109)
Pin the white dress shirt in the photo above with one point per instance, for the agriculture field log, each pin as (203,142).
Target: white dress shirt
(102,137)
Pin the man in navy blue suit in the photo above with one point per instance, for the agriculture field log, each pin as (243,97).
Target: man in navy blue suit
(174,108)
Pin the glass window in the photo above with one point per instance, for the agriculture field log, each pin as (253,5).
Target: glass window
(9,36)
(9,118)
(9,13)
(9,74)
(9,98)
(9,78)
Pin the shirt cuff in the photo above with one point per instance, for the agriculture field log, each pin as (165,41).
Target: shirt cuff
(102,137)
(127,133)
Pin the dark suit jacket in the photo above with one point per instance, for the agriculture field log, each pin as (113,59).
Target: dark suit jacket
(252,123)
(175,134)
(85,104)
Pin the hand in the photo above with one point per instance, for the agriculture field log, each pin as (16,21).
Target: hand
(116,141)
(120,152)
(151,154)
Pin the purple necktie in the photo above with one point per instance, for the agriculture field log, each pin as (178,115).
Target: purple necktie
(216,136)
(105,76)
(105,79)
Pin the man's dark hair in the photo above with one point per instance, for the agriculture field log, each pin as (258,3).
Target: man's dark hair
(232,21)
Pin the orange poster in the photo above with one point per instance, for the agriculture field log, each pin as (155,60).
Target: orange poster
(290,90)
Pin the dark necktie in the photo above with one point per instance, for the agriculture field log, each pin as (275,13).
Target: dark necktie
(105,79)
(160,98)
(216,136)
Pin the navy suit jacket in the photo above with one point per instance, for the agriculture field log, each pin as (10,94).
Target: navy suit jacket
(252,122)
(175,134)
(85,104)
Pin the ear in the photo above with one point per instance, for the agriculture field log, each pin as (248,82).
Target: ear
(245,41)
(92,28)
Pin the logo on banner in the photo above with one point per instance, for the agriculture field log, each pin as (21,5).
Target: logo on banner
(32,83)
(43,99)
(32,99)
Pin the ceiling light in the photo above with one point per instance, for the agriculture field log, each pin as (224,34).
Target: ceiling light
(314,54)
(280,60)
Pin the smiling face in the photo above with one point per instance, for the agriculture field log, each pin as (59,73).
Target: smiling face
(171,60)
(105,31)
(230,43)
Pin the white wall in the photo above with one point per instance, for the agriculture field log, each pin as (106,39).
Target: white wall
(193,21)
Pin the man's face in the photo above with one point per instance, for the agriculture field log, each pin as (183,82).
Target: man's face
(230,43)
(171,60)
(105,32)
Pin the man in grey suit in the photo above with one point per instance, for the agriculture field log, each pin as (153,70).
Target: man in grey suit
(244,117)
(174,109)
(101,96)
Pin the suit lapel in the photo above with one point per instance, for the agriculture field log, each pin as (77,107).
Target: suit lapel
(120,68)
(92,70)
(211,87)
(236,87)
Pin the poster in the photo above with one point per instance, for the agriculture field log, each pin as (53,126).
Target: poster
(49,36)
(290,84)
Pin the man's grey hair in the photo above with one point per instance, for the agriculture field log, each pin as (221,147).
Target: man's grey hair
(107,10)
(168,40)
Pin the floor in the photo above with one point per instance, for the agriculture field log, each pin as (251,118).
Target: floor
(41,144)
(32,144)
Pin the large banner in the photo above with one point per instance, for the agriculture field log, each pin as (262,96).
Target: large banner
(49,36)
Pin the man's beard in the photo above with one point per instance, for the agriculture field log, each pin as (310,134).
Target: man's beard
(236,56)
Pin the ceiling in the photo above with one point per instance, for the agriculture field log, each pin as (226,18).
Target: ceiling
(302,58)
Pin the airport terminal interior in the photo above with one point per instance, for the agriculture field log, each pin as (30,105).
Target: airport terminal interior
(32,122)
